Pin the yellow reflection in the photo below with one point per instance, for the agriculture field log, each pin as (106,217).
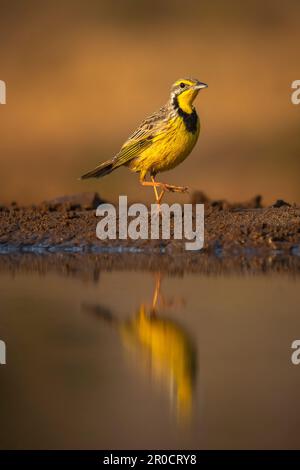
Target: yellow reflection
(161,346)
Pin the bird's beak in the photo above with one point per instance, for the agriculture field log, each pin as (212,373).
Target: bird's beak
(200,85)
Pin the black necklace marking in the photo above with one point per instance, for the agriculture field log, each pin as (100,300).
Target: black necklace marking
(190,119)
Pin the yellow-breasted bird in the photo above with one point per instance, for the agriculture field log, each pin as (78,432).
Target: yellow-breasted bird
(161,343)
(162,141)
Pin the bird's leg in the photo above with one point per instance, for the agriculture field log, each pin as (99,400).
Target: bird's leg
(164,186)
(160,301)
(158,196)
(155,190)
(161,196)
(175,189)
(154,185)
(156,294)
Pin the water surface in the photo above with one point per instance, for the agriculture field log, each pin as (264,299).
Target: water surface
(145,360)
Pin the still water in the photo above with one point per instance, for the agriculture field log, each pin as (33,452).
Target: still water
(143,360)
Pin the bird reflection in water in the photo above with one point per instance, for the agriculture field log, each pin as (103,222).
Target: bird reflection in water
(161,346)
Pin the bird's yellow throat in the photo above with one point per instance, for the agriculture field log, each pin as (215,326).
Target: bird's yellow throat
(186,98)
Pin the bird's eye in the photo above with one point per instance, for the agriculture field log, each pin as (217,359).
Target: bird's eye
(182,85)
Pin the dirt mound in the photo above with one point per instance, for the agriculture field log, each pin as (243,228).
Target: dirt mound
(68,224)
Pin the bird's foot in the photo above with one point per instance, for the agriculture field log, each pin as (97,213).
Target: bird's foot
(175,189)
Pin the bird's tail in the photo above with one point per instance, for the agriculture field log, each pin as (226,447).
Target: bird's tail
(100,312)
(100,170)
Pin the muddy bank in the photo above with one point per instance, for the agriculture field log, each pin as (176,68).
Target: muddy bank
(68,224)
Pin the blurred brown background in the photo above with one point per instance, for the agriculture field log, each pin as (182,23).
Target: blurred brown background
(81,75)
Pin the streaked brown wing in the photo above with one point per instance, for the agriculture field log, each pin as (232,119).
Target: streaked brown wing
(141,138)
(130,150)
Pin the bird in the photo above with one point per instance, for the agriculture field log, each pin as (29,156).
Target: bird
(162,141)
(159,341)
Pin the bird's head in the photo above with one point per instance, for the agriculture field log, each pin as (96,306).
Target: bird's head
(184,91)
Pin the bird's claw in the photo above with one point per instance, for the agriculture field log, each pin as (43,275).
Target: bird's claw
(176,189)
